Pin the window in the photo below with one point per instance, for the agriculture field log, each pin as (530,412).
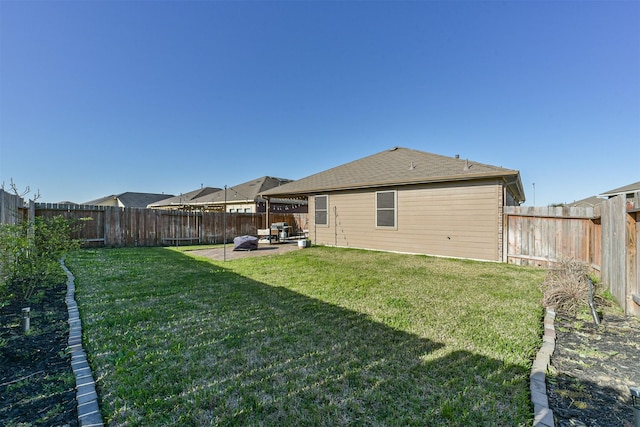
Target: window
(322,210)
(247,210)
(386,209)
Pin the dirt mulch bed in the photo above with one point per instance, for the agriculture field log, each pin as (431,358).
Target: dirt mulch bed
(37,385)
(592,369)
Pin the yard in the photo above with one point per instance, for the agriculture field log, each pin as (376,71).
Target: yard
(320,336)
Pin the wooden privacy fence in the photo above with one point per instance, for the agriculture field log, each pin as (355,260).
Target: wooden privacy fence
(621,251)
(544,236)
(122,227)
(11,208)
(605,237)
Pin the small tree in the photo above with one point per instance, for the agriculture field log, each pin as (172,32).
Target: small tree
(12,243)
(30,253)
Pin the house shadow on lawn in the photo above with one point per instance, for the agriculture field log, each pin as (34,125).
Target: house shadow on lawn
(235,351)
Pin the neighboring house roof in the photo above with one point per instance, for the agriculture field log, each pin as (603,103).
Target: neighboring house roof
(596,200)
(185,198)
(631,188)
(588,202)
(247,192)
(399,166)
(131,199)
(100,200)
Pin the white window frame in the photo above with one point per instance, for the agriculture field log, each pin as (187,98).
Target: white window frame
(325,210)
(387,209)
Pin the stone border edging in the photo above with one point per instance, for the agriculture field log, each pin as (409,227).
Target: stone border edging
(543,415)
(86,396)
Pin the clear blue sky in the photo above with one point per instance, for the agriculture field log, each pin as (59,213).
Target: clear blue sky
(104,97)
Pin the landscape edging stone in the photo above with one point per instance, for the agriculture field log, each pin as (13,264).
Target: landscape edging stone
(543,415)
(86,395)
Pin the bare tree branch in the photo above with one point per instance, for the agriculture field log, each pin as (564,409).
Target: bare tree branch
(15,190)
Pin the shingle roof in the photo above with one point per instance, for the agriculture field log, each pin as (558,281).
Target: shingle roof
(631,188)
(245,192)
(100,200)
(131,199)
(398,166)
(589,202)
(140,200)
(186,197)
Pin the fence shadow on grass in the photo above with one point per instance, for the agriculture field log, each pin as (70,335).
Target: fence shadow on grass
(216,348)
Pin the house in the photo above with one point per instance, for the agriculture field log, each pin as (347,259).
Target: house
(589,202)
(182,201)
(629,192)
(128,200)
(244,198)
(404,200)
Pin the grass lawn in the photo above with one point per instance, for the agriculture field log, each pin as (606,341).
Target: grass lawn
(317,337)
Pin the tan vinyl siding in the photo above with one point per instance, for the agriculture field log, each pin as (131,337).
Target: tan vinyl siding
(458,220)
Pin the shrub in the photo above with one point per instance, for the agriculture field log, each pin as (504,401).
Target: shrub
(30,253)
(568,288)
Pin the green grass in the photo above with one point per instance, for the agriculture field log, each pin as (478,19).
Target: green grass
(318,337)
